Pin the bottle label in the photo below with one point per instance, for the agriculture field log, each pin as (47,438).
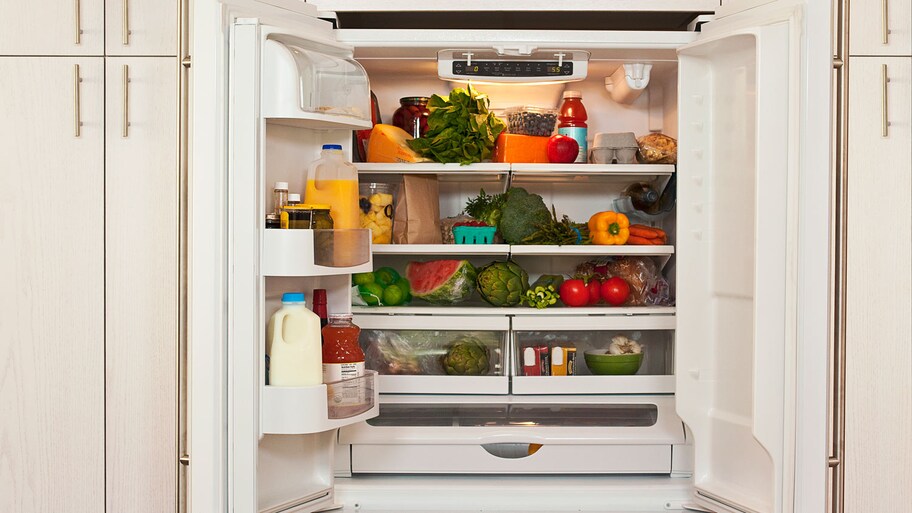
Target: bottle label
(349,393)
(579,134)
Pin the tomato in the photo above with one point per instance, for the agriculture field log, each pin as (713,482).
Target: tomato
(562,149)
(595,294)
(574,293)
(615,291)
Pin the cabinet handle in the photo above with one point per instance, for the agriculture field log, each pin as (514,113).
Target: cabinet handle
(124,130)
(76,80)
(78,22)
(884,79)
(885,28)
(125,23)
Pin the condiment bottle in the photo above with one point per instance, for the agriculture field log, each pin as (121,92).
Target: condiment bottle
(342,354)
(572,122)
(293,354)
(333,180)
(319,306)
(279,197)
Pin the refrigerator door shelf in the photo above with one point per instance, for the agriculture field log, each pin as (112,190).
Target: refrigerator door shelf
(291,410)
(315,252)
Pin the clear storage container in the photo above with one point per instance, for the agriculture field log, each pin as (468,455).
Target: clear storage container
(527,120)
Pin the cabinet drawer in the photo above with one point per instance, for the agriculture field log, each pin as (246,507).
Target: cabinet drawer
(512,458)
(535,356)
(436,355)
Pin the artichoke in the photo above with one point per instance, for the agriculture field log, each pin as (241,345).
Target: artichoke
(503,283)
(466,356)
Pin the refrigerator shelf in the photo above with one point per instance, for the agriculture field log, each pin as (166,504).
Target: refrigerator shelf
(517,250)
(555,385)
(560,171)
(317,121)
(498,385)
(290,410)
(315,252)
(597,315)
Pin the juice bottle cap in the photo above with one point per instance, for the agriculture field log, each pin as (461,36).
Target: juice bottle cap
(293,297)
(573,94)
(281,186)
(332,147)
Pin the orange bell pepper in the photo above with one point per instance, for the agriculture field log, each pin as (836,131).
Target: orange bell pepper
(609,228)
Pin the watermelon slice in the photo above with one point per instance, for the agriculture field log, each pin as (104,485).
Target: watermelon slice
(441,282)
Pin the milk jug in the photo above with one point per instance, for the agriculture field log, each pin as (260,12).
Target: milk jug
(294,356)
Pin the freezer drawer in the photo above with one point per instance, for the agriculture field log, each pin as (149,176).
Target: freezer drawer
(512,459)
(437,355)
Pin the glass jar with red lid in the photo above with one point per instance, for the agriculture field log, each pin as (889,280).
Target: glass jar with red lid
(342,354)
(412,115)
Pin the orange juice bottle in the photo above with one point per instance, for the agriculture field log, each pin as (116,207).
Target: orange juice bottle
(333,180)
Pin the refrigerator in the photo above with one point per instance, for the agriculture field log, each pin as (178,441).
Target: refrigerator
(727,412)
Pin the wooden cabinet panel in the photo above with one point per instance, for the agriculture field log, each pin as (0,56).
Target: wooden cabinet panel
(48,27)
(878,448)
(141,292)
(867,27)
(52,283)
(148,28)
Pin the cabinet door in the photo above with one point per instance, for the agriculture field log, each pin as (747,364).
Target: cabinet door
(878,406)
(52,283)
(880,27)
(52,27)
(141,275)
(141,27)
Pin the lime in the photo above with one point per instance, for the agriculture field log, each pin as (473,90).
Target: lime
(386,276)
(362,278)
(406,289)
(371,293)
(393,295)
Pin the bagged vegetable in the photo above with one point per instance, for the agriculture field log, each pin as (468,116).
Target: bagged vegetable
(647,285)
(657,148)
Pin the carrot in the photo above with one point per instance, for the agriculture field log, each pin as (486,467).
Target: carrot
(638,241)
(646,232)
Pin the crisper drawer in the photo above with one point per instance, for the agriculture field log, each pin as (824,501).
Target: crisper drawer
(416,354)
(525,435)
(549,355)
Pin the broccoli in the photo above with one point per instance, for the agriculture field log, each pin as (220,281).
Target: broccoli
(521,215)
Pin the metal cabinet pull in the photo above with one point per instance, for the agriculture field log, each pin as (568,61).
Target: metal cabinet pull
(78,23)
(884,21)
(124,130)
(76,81)
(883,104)
(125,23)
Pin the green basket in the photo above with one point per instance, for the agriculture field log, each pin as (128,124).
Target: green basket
(474,234)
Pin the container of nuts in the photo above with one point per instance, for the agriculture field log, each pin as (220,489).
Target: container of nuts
(528,120)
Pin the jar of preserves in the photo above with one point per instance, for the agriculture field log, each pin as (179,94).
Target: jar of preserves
(412,115)
(321,218)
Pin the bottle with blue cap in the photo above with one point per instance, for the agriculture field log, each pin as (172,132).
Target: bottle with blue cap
(294,354)
(333,180)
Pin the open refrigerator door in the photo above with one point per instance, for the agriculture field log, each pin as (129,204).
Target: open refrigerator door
(742,104)
(288,95)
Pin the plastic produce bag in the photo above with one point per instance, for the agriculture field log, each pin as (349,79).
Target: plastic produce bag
(647,285)
(658,148)
(415,352)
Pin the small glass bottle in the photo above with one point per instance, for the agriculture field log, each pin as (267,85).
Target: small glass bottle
(279,197)
(412,115)
(342,354)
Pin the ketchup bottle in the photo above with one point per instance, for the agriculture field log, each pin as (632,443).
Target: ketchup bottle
(572,122)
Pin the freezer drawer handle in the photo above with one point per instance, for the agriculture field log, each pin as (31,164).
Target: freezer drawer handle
(883,105)
(511,450)
(884,22)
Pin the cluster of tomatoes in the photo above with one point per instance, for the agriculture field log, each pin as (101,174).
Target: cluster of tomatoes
(577,292)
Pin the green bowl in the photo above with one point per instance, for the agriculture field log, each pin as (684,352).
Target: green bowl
(602,363)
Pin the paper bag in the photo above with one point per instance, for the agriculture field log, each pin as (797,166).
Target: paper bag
(417,214)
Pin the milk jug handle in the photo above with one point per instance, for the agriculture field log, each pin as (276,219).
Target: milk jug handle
(278,327)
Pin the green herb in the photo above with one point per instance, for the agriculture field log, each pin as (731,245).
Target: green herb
(460,128)
(563,232)
(485,207)
(540,297)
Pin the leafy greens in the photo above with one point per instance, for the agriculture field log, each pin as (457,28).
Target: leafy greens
(460,128)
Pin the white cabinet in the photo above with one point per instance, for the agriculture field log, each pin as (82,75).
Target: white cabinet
(141,27)
(141,283)
(52,27)
(878,406)
(880,27)
(52,278)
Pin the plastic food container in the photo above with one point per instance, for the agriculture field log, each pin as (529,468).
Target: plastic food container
(617,148)
(528,120)
(474,234)
(376,201)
